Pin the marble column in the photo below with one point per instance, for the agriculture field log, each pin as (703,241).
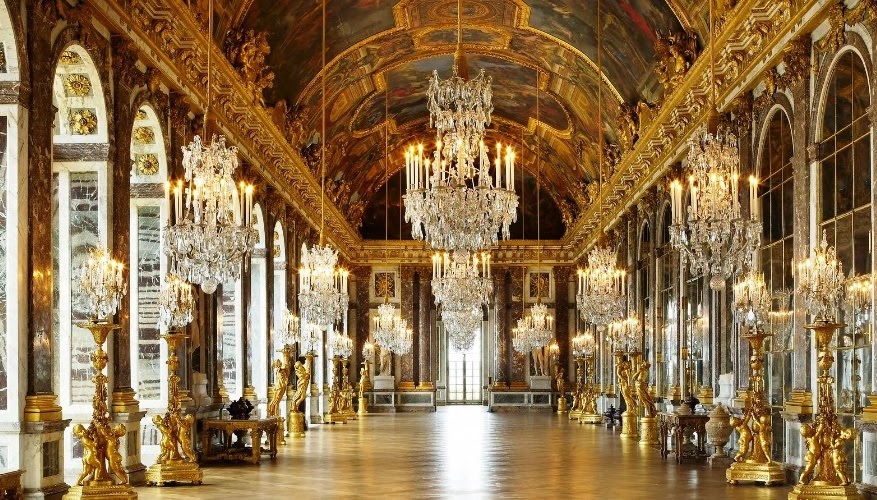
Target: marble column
(515,307)
(406,362)
(269,213)
(501,333)
(427,332)
(361,277)
(563,313)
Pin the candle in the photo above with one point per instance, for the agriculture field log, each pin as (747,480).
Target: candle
(753,197)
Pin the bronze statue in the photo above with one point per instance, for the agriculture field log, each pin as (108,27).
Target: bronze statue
(642,389)
(303,380)
(90,463)
(560,382)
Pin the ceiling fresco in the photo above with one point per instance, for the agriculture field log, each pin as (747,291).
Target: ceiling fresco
(390,47)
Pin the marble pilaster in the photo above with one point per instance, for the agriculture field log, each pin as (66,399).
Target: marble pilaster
(362,282)
(427,331)
(563,313)
(501,289)
(517,361)
(406,362)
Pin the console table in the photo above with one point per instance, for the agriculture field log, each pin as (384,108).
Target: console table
(676,427)
(235,449)
(10,484)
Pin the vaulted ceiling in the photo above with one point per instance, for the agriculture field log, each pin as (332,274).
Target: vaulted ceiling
(381,50)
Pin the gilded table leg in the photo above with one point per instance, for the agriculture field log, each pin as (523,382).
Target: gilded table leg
(257,446)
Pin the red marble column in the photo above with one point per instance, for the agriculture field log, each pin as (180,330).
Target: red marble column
(501,289)
(426,331)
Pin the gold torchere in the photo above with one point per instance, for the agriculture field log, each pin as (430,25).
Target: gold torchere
(346,392)
(364,385)
(576,411)
(752,462)
(101,458)
(560,385)
(177,461)
(825,465)
(309,365)
(648,423)
(589,413)
(335,415)
(624,373)
(295,416)
(282,371)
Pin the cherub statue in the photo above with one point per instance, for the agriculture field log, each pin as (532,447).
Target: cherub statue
(839,455)
(301,387)
(642,389)
(90,463)
(166,445)
(744,442)
(813,437)
(185,426)
(111,437)
(765,435)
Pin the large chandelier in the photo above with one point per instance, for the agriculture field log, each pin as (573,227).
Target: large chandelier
(602,293)
(534,331)
(322,295)
(211,232)
(342,345)
(820,282)
(101,285)
(752,301)
(462,326)
(625,334)
(461,281)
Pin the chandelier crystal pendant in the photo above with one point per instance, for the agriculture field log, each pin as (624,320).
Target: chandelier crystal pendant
(175,303)
(460,280)
(462,326)
(752,301)
(101,285)
(289,328)
(341,344)
(602,296)
(322,295)
(820,282)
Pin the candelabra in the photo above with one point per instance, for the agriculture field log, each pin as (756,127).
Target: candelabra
(322,293)
(753,463)
(857,305)
(211,232)
(578,395)
(368,355)
(101,286)
(820,283)
(586,348)
(602,288)
(624,373)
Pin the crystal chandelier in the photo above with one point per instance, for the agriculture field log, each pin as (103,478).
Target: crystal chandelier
(101,285)
(342,345)
(322,295)
(534,331)
(752,301)
(625,334)
(602,296)
(461,281)
(857,303)
(205,242)
(714,237)
(456,206)
(820,282)
(583,345)
(175,303)
(779,319)
(290,328)
(462,326)
(308,338)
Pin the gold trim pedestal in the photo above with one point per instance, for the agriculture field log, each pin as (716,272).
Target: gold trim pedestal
(101,457)
(648,423)
(177,461)
(752,462)
(825,475)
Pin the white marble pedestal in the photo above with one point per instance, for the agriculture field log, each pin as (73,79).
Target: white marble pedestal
(312,409)
(36,463)
(131,458)
(384,383)
(540,382)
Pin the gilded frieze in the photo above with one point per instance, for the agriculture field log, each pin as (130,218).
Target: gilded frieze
(144,135)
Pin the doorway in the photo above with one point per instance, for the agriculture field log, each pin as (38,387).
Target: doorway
(464,372)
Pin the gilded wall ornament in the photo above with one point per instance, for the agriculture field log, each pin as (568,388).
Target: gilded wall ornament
(796,59)
(147,164)
(141,115)
(676,53)
(247,52)
(82,121)
(627,123)
(385,285)
(836,35)
(277,251)
(77,85)
(69,57)
(144,135)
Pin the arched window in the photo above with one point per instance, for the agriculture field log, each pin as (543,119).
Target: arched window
(279,306)
(775,260)
(844,180)
(258,327)
(645,269)
(79,221)
(231,331)
(665,356)
(148,216)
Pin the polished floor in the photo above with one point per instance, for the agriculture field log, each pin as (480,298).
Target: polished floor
(463,452)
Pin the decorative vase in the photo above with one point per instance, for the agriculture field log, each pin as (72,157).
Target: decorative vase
(240,409)
(718,428)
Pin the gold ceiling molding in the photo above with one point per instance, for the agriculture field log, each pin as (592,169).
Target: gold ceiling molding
(171,39)
(751,32)
(515,252)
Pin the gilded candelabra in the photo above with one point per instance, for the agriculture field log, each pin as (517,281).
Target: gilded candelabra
(336,414)
(753,463)
(177,461)
(346,391)
(363,386)
(282,372)
(648,423)
(560,385)
(576,411)
(101,287)
(589,413)
(295,415)
(625,375)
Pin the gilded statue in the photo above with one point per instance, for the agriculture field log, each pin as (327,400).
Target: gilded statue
(247,52)
(813,438)
(111,437)
(303,380)
(627,127)
(166,445)
(642,389)
(589,399)
(363,380)
(90,462)
(560,382)
(676,53)
(185,426)
(622,371)
(281,382)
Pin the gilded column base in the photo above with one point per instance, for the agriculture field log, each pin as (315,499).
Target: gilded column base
(823,492)
(107,491)
(41,408)
(705,395)
(125,402)
(746,472)
(562,405)
(174,472)
(590,418)
(296,424)
(648,430)
(629,430)
(362,406)
(250,394)
(869,414)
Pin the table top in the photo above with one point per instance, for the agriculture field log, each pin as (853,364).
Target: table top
(682,416)
(242,423)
